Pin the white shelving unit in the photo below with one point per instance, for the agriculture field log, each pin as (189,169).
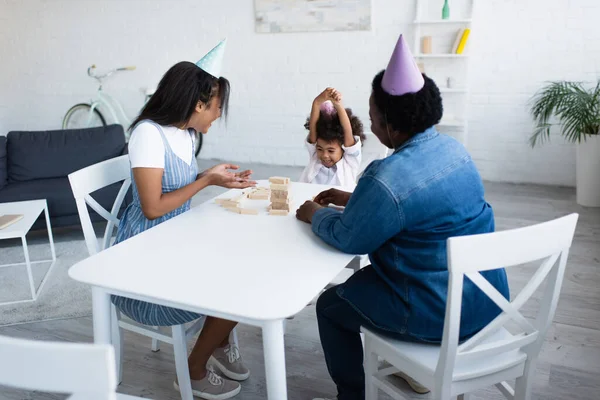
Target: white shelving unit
(425,24)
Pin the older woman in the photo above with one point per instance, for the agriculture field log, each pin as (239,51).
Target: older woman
(401,213)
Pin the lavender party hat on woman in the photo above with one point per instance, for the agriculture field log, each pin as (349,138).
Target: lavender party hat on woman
(402,74)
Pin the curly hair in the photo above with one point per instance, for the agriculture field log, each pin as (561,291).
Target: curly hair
(330,129)
(410,113)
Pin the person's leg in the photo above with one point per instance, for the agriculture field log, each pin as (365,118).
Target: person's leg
(214,334)
(339,329)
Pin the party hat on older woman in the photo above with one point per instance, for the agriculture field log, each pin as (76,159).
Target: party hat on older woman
(402,74)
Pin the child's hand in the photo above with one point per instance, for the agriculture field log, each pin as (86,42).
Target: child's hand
(323,97)
(336,97)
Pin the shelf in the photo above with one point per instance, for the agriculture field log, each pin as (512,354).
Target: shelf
(441,55)
(447,90)
(442,21)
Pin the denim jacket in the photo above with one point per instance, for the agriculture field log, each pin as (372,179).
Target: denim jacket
(401,213)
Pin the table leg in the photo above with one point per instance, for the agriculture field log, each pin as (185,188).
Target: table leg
(28,265)
(50,237)
(275,360)
(101,314)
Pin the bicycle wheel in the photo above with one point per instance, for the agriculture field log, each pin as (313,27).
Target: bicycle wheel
(198,143)
(79,117)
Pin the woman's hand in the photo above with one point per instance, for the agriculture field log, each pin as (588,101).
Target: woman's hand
(307,210)
(333,196)
(219,175)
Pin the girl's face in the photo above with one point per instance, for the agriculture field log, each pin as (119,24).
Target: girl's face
(329,152)
(204,115)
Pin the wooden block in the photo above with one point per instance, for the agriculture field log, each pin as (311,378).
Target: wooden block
(282,200)
(279,180)
(239,198)
(278,212)
(276,186)
(280,194)
(221,201)
(248,211)
(230,204)
(280,206)
(259,196)
(236,210)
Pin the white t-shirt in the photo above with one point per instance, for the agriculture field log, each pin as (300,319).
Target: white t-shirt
(343,173)
(147,149)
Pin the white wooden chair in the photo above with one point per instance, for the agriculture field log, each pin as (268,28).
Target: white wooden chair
(86,181)
(86,371)
(495,354)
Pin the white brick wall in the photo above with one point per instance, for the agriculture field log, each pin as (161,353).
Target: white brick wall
(517,46)
(46,46)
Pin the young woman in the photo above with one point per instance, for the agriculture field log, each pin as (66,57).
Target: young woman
(164,179)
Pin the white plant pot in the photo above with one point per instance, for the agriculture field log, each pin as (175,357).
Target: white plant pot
(588,171)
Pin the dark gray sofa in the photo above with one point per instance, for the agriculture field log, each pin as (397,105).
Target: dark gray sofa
(35,165)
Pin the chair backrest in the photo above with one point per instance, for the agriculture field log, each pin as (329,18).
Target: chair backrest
(85,370)
(90,179)
(468,255)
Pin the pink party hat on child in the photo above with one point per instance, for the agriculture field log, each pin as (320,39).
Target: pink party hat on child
(402,74)
(328,108)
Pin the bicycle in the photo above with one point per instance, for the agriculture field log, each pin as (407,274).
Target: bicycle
(87,115)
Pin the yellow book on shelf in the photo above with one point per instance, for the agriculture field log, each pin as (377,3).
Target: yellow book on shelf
(463,41)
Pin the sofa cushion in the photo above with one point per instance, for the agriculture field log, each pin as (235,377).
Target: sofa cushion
(58,194)
(55,154)
(3,165)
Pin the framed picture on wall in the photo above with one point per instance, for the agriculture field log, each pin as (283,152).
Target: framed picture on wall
(279,16)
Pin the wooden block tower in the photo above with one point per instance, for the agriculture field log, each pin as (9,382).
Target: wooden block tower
(280,196)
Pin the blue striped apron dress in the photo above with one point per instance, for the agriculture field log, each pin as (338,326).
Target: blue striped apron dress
(177,173)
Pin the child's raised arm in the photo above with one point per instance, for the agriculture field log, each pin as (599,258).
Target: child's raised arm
(336,97)
(315,113)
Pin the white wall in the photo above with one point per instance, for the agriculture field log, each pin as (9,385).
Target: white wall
(517,46)
(46,46)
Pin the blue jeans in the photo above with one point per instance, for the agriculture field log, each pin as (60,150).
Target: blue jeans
(339,329)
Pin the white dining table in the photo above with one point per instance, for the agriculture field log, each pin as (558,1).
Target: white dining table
(255,269)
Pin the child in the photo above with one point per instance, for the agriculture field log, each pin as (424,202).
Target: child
(334,142)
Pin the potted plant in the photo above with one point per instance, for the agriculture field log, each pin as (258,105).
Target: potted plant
(577,111)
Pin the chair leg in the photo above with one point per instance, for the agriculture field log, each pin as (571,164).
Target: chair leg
(181,362)
(117,341)
(370,365)
(523,383)
(155,345)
